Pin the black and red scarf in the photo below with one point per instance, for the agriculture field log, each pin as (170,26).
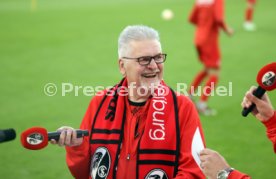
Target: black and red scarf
(158,150)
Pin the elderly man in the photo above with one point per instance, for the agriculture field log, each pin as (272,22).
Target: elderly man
(140,128)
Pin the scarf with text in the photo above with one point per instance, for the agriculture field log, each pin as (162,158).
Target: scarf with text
(158,150)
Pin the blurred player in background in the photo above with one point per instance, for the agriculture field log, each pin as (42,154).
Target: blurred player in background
(208,17)
(248,24)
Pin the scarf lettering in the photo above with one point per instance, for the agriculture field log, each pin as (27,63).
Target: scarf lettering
(158,133)
(110,113)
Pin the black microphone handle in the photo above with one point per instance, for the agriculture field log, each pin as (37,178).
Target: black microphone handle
(259,92)
(55,135)
(7,135)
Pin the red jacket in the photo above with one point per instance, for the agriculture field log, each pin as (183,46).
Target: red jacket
(78,158)
(271,130)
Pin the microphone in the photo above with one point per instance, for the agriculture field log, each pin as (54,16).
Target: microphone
(37,138)
(266,79)
(7,135)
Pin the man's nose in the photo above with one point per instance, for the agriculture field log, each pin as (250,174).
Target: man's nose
(152,64)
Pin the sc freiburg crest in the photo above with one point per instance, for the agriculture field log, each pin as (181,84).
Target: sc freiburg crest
(100,163)
(156,174)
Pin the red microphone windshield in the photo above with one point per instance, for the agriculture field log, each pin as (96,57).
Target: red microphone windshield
(266,77)
(34,138)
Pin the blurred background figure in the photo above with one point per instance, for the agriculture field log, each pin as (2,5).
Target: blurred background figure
(208,17)
(248,23)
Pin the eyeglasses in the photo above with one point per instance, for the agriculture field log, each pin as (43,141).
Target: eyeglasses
(146,60)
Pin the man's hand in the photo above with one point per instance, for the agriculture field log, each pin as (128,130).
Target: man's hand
(212,162)
(263,110)
(68,137)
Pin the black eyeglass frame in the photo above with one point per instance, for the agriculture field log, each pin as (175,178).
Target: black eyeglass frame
(146,58)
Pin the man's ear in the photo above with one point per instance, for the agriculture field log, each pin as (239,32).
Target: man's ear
(121,64)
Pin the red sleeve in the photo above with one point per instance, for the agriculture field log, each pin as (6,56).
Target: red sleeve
(238,175)
(219,14)
(271,130)
(78,158)
(189,123)
(193,16)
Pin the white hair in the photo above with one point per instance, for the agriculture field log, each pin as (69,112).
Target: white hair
(135,33)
